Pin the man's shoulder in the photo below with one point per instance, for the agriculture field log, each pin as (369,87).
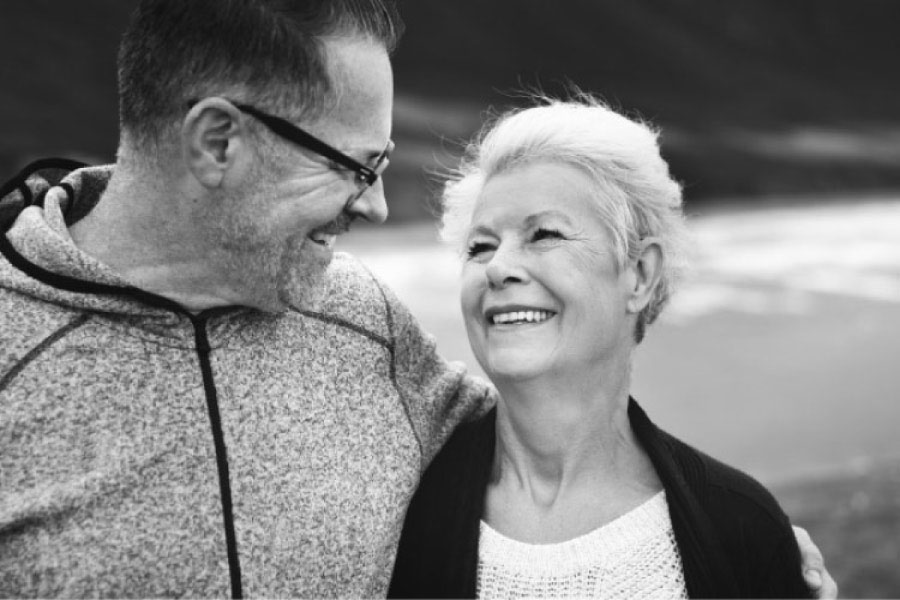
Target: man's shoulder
(21,314)
(26,323)
(348,278)
(356,299)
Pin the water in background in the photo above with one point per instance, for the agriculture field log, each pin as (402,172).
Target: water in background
(780,352)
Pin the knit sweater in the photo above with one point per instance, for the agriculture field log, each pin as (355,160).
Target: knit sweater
(146,451)
(633,556)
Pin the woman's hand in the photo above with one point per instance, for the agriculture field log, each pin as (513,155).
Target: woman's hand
(814,572)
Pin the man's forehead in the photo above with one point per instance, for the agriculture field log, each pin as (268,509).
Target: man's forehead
(363,85)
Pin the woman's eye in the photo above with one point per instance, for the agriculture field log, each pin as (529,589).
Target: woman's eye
(478,248)
(546,234)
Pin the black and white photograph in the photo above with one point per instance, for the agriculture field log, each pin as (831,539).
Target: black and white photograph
(431,299)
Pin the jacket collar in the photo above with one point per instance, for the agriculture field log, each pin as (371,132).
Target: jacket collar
(39,259)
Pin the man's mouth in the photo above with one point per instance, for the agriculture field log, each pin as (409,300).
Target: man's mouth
(327,234)
(323,239)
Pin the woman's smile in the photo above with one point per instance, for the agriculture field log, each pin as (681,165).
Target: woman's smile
(517,316)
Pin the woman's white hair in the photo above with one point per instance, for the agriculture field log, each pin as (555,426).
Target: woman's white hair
(636,196)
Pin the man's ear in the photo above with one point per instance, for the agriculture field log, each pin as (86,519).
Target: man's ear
(647,271)
(214,138)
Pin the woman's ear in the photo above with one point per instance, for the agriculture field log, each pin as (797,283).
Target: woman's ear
(213,138)
(647,271)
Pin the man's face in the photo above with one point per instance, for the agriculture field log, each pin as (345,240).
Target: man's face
(284,223)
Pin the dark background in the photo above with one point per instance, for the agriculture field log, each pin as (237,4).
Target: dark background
(755,97)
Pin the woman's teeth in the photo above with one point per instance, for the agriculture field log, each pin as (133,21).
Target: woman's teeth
(522,316)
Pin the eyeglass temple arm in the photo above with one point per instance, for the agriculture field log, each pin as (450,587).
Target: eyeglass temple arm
(289,131)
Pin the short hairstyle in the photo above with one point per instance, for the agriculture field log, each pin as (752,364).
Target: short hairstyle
(636,196)
(270,51)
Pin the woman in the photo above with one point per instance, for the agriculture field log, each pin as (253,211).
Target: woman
(573,240)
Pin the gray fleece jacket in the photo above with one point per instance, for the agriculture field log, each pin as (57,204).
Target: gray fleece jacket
(148,452)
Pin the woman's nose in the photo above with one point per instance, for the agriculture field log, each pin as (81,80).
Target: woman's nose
(504,268)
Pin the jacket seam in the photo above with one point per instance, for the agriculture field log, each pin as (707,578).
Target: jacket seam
(404,401)
(332,320)
(42,346)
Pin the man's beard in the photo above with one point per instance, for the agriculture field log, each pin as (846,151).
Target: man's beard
(300,279)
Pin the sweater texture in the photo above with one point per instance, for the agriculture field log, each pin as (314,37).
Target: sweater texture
(733,538)
(146,451)
(633,556)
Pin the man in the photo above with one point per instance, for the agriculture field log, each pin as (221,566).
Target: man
(196,398)
(189,403)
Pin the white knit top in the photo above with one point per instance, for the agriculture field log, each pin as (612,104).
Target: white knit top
(634,556)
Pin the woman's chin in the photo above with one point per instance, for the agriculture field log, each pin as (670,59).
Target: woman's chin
(514,366)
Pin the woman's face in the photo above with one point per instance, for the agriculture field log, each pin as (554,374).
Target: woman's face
(541,291)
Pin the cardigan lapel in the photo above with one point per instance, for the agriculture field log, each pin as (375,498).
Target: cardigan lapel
(707,573)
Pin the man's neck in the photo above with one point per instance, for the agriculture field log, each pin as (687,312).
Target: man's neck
(148,234)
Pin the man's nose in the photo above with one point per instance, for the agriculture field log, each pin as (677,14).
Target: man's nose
(371,205)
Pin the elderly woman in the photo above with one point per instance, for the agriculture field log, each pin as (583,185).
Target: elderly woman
(573,240)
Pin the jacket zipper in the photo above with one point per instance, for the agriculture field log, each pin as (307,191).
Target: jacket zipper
(212,404)
(73,284)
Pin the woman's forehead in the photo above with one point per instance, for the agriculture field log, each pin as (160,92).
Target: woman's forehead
(536,193)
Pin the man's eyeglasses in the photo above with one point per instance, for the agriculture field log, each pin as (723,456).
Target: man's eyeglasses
(366,176)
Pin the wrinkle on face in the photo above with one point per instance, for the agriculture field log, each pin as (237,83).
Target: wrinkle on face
(540,221)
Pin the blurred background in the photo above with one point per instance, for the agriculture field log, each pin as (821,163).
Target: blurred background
(781,354)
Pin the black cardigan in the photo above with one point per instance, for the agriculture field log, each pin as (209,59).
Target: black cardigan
(733,538)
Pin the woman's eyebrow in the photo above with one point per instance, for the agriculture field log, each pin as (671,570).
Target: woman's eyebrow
(528,222)
(535,218)
(481,230)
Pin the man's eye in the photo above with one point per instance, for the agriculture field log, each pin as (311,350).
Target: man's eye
(546,234)
(336,166)
(478,248)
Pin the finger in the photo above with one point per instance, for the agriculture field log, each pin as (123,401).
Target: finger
(813,578)
(829,589)
(810,554)
(816,576)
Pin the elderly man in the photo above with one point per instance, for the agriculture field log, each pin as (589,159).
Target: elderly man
(196,397)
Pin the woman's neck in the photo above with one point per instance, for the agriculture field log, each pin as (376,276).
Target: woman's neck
(553,434)
(565,447)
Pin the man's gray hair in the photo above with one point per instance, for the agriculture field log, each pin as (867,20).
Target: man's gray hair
(635,194)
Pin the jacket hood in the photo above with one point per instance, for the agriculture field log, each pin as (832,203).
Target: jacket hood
(38,258)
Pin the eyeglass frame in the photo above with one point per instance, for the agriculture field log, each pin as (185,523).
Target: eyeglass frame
(366,176)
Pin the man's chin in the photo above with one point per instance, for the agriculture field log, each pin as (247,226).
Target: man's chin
(302,287)
(301,276)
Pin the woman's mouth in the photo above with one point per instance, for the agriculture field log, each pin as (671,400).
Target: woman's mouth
(519,317)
